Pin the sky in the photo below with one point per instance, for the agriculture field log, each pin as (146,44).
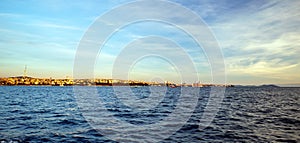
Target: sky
(259,40)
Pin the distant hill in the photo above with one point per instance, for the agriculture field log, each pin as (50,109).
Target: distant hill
(264,85)
(268,85)
(290,85)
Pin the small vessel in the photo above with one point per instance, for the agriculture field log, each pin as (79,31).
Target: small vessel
(172,86)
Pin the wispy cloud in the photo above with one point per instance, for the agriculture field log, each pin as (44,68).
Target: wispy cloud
(262,40)
(10,15)
(56,26)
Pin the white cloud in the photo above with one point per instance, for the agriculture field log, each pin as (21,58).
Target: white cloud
(10,15)
(56,26)
(263,42)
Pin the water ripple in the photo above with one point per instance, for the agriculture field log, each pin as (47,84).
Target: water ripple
(50,114)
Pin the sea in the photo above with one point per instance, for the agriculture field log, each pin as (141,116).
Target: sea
(53,114)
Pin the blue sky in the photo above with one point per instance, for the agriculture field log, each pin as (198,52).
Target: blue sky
(260,40)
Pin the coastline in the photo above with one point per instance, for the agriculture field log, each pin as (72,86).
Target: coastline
(30,81)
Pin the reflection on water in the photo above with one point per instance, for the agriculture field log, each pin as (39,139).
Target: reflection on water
(51,114)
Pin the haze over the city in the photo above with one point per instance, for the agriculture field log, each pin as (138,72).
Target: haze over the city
(260,40)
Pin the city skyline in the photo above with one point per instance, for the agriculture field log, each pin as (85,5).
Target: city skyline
(260,40)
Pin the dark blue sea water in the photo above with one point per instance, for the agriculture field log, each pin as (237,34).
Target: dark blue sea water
(51,114)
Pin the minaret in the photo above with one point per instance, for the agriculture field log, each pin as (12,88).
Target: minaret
(25,71)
